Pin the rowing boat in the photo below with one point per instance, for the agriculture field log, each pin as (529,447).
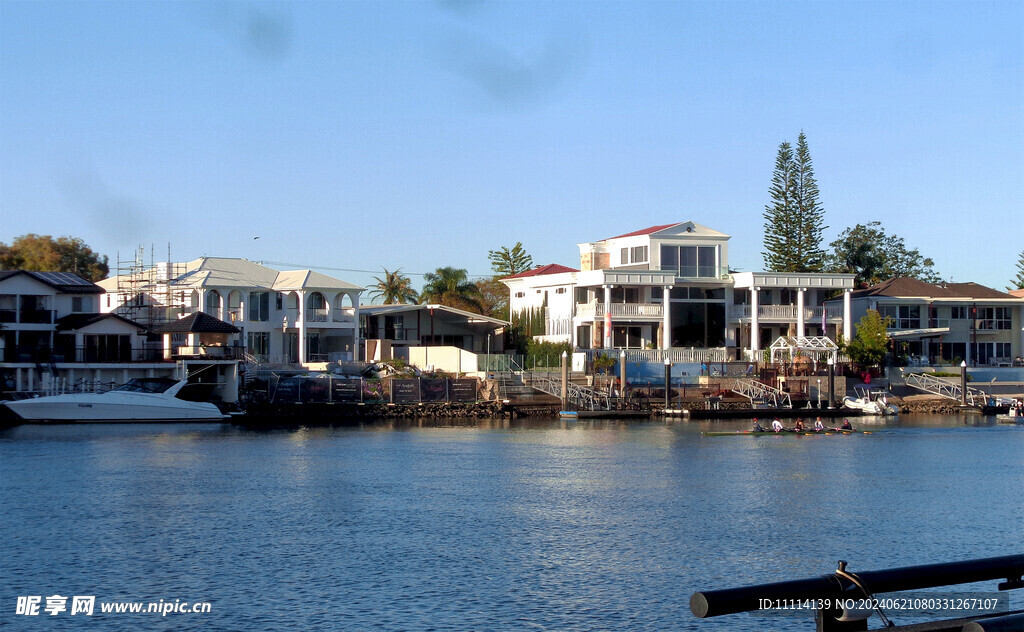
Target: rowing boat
(785,433)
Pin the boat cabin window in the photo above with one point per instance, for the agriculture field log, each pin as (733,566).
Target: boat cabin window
(140,385)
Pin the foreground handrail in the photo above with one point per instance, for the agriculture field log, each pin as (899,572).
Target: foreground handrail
(748,598)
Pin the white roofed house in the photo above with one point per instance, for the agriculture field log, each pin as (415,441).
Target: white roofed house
(291,317)
(669,287)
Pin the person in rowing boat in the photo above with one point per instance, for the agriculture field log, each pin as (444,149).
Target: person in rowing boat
(757,426)
(777,425)
(818,426)
(799,425)
(846,425)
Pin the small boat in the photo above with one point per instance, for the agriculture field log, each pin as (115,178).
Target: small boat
(1012,420)
(870,402)
(788,432)
(140,399)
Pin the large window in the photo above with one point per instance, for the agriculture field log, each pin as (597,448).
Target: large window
(259,307)
(902,316)
(690,261)
(258,343)
(993,318)
(636,254)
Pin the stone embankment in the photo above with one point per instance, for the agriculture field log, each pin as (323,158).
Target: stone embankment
(925,404)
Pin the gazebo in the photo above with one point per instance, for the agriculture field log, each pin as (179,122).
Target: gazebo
(817,348)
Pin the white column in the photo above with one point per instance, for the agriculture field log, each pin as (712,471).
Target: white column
(847,316)
(300,320)
(355,325)
(666,319)
(755,333)
(607,316)
(800,312)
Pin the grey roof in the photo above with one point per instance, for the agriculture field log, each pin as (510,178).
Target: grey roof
(409,308)
(73,322)
(198,322)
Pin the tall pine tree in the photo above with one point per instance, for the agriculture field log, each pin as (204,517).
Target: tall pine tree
(794,220)
(810,214)
(780,216)
(1018,283)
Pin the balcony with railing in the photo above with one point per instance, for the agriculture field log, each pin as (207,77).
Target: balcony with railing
(624,311)
(316,315)
(344,315)
(784,313)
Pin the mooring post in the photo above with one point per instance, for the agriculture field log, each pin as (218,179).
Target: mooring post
(622,375)
(668,382)
(831,383)
(565,379)
(963,382)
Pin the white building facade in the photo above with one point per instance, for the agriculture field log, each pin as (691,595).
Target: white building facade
(669,286)
(290,317)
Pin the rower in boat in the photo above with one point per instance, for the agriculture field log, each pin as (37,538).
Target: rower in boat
(777,425)
(757,426)
(846,425)
(818,426)
(799,427)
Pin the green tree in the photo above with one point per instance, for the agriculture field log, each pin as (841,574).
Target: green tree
(451,286)
(43,253)
(868,344)
(810,214)
(794,220)
(493,298)
(395,287)
(1018,283)
(505,262)
(874,256)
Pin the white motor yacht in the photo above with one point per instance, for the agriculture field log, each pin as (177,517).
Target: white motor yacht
(141,399)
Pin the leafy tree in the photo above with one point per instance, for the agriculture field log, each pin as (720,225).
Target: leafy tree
(868,344)
(546,354)
(505,262)
(395,287)
(1018,283)
(493,298)
(43,253)
(451,286)
(874,256)
(794,220)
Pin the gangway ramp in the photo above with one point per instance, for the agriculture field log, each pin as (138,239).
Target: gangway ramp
(945,388)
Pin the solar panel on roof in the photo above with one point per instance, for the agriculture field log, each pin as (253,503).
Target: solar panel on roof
(62,278)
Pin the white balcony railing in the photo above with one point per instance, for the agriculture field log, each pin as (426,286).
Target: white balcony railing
(318,315)
(619,310)
(786,313)
(344,315)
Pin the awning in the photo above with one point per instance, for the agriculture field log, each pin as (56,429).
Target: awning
(917,334)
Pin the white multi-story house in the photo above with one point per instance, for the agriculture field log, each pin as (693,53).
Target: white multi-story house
(294,316)
(670,286)
(948,322)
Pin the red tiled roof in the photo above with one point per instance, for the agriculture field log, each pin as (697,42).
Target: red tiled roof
(551,268)
(645,231)
(910,287)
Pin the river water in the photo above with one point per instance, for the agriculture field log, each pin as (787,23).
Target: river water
(532,525)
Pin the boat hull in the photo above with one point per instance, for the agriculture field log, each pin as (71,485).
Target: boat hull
(107,407)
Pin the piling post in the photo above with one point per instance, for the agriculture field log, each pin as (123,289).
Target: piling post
(622,375)
(668,382)
(565,379)
(963,382)
(831,383)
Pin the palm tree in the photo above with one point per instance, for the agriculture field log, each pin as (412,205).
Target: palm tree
(394,288)
(451,286)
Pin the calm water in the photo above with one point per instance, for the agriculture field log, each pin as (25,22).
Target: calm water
(537,525)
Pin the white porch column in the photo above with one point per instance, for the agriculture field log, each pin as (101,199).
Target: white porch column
(847,316)
(300,320)
(607,316)
(666,319)
(755,333)
(800,312)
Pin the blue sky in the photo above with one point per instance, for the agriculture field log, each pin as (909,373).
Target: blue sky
(353,136)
